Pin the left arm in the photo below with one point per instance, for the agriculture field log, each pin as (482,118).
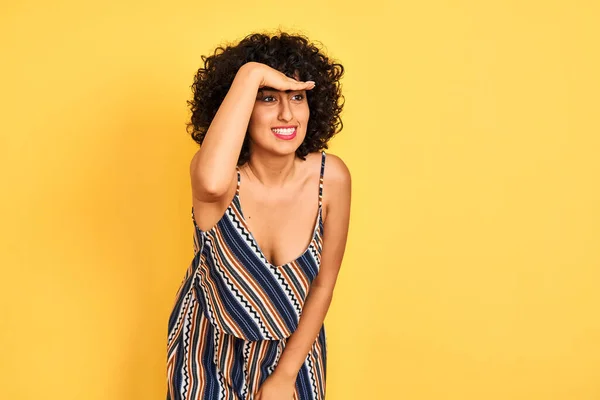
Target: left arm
(337,186)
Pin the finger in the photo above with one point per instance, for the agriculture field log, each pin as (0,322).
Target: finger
(303,85)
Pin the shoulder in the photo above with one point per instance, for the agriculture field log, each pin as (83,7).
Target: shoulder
(337,183)
(336,170)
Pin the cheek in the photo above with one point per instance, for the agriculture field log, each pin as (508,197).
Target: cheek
(259,122)
(260,117)
(302,116)
(304,111)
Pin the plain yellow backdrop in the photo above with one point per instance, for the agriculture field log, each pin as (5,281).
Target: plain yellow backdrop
(471,130)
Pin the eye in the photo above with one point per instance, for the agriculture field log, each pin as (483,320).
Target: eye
(298,97)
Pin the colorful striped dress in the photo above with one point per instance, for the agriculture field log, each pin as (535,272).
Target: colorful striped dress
(234,312)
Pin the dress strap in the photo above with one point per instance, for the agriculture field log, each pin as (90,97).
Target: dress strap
(321,178)
(237,190)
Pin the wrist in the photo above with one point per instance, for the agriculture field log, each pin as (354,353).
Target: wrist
(250,72)
(285,375)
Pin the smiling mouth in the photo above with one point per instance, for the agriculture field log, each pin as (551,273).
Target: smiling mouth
(284,133)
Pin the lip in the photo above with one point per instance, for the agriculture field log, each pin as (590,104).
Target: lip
(285,137)
(284,127)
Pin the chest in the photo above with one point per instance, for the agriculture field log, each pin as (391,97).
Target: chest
(281,222)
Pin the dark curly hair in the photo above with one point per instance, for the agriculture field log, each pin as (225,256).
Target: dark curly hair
(286,53)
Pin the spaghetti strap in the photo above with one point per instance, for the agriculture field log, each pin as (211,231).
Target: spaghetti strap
(321,178)
(237,189)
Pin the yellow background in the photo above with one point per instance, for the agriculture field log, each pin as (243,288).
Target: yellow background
(472,133)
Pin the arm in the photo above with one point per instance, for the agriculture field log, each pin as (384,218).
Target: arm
(337,187)
(214,163)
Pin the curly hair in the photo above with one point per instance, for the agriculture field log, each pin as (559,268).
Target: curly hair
(286,53)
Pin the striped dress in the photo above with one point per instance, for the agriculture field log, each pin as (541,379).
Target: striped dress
(234,312)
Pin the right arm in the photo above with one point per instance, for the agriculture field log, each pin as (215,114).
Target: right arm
(213,165)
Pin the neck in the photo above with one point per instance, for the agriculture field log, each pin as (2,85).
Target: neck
(270,170)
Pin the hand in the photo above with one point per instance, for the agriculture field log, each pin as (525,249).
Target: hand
(275,79)
(276,387)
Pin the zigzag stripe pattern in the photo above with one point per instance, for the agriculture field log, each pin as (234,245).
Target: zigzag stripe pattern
(234,312)
(185,382)
(243,302)
(179,311)
(290,295)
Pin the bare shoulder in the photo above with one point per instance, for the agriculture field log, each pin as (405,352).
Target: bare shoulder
(337,183)
(336,171)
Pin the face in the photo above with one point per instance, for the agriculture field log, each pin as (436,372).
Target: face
(278,120)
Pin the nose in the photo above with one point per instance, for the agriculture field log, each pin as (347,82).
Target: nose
(285,111)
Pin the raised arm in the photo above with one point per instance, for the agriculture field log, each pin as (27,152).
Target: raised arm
(213,165)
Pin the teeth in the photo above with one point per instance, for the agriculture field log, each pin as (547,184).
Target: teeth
(287,131)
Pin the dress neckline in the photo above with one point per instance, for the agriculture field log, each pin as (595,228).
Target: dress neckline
(237,204)
(255,244)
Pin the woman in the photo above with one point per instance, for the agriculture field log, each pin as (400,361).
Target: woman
(248,318)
